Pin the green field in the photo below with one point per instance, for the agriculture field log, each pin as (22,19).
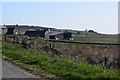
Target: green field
(63,68)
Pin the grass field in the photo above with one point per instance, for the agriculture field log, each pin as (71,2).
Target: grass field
(63,68)
(97,40)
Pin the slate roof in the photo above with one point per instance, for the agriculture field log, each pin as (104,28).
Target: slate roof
(57,33)
(1,26)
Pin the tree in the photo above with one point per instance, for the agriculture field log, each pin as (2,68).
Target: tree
(90,31)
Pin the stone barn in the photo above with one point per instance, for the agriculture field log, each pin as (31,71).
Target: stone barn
(20,29)
(61,35)
(10,30)
(38,33)
(3,29)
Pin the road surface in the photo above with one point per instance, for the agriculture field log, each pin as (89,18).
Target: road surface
(10,71)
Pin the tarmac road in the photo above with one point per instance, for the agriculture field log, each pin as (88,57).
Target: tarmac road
(10,71)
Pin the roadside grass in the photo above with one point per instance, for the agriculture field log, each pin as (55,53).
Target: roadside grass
(62,68)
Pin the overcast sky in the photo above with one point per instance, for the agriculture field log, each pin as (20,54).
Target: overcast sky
(99,16)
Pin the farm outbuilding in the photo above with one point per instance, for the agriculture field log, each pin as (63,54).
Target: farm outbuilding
(10,30)
(60,35)
(38,33)
(20,29)
(3,29)
(7,29)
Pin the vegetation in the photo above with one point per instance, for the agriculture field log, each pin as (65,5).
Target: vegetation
(95,40)
(62,68)
(92,36)
(98,40)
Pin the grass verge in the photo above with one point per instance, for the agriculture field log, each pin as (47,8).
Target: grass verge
(53,66)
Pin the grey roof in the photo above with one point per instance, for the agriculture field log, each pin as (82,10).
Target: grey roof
(57,33)
(2,26)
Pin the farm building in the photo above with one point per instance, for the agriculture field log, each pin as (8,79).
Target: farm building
(7,30)
(3,29)
(38,33)
(21,29)
(10,30)
(61,35)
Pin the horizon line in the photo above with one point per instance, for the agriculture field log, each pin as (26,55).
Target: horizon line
(59,28)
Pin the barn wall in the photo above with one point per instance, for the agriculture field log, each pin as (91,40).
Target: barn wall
(60,36)
(4,31)
(10,31)
(36,33)
(67,36)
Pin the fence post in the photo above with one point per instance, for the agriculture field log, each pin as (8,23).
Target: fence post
(53,45)
(5,38)
(14,39)
(105,61)
(50,45)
